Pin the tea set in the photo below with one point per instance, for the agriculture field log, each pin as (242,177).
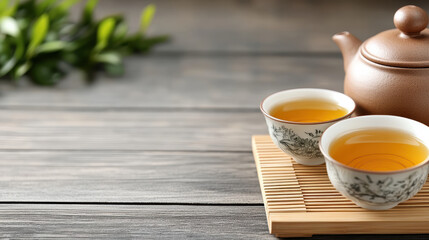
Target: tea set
(386,86)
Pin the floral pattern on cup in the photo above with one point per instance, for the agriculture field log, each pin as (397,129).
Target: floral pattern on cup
(376,190)
(300,140)
(300,146)
(386,189)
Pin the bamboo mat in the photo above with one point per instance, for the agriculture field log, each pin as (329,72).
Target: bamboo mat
(300,201)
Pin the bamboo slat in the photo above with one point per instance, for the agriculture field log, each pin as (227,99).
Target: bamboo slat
(300,201)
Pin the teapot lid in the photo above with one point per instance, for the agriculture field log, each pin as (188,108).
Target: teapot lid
(406,46)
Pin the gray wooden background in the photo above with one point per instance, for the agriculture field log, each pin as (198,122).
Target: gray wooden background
(165,152)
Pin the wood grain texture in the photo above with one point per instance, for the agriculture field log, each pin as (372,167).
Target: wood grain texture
(260,25)
(129,130)
(146,222)
(186,81)
(132,222)
(128,177)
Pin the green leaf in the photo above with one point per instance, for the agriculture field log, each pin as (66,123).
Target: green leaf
(44,5)
(40,28)
(37,37)
(7,67)
(50,47)
(3,5)
(10,11)
(9,26)
(66,4)
(62,8)
(114,69)
(89,10)
(108,57)
(72,59)
(144,44)
(5,48)
(20,47)
(45,73)
(146,17)
(120,32)
(22,70)
(103,33)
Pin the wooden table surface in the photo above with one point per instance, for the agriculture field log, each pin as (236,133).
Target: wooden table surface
(165,152)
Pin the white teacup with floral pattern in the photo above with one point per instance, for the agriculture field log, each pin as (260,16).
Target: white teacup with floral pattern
(300,139)
(376,190)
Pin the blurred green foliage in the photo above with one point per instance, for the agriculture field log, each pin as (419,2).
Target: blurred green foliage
(38,40)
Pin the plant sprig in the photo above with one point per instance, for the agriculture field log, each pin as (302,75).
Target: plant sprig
(38,40)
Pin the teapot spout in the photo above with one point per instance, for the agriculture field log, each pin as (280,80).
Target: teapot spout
(348,44)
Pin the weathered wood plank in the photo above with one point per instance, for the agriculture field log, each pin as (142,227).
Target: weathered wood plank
(187,81)
(134,177)
(129,130)
(261,25)
(146,222)
(132,222)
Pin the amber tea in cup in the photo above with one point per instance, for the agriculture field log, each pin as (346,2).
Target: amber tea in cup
(377,161)
(378,149)
(308,111)
(296,119)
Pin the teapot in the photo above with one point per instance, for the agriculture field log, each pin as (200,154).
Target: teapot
(389,72)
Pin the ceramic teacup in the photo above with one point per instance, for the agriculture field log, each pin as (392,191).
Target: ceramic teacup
(300,139)
(376,190)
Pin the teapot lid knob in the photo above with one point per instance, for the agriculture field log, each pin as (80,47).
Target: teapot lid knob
(410,20)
